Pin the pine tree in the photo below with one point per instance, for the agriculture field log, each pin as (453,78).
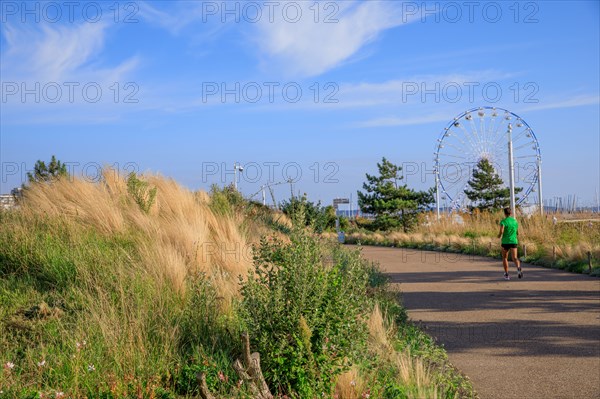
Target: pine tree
(43,173)
(488,192)
(393,205)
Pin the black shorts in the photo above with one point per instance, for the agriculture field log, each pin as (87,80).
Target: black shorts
(509,246)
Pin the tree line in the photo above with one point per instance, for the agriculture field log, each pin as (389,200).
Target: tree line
(397,206)
(394,205)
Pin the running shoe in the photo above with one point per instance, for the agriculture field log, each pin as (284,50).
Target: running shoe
(506,276)
(520,274)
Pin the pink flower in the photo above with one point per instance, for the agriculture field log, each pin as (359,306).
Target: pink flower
(80,345)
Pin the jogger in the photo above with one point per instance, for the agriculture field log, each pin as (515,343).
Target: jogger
(509,232)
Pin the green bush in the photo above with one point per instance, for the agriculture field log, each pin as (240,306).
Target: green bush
(319,218)
(226,200)
(303,307)
(141,192)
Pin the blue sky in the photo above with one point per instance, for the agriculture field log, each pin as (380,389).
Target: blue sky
(325,89)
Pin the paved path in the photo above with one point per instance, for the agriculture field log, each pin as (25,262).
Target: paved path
(533,338)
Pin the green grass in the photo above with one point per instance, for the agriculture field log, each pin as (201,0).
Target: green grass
(85,314)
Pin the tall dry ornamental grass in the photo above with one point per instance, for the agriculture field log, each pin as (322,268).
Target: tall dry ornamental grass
(186,236)
(120,274)
(564,244)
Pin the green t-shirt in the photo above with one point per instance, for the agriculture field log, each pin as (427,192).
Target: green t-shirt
(511,226)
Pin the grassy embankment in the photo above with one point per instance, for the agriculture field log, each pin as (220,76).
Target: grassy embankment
(564,245)
(109,292)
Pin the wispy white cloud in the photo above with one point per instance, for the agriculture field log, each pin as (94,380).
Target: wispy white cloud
(444,112)
(173,21)
(57,52)
(66,58)
(417,89)
(309,48)
(402,93)
(576,101)
(301,43)
(405,121)
(50,52)
(197,19)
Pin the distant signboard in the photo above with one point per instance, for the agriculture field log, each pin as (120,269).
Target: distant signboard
(338,201)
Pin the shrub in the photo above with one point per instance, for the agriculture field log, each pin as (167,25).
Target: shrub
(226,200)
(304,307)
(319,218)
(141,192)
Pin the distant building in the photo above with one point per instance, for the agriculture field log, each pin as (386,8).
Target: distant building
(9,201)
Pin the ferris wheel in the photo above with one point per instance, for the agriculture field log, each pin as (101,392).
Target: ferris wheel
(484,133)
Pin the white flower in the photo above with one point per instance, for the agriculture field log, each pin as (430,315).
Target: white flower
(9,365)
(353,383)
(59,395)
(42,363)
(91,368)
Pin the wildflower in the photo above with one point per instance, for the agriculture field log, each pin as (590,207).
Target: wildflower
(222,376)
(42,363)
(59,395)
(353,383)
(91,368)
(9,365)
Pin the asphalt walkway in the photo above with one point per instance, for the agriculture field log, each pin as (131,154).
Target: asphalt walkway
(538,337)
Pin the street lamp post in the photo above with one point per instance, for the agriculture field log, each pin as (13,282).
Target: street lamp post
(437,195)
(236,167)
(511,171)
(540,199)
